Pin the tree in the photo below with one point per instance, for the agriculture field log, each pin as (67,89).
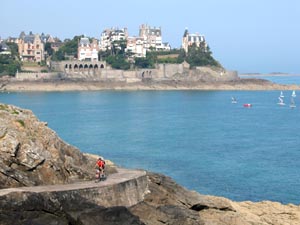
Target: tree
(9,65)
(70,47)
(200,56)
(118,62)
(49,49)
(14,49)
(148,62)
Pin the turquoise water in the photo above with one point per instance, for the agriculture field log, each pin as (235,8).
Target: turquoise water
(199,138)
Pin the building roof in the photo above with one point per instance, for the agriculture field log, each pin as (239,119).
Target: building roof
(84,41)
(29,39)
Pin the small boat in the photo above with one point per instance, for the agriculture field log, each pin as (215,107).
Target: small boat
(281,102)
(247,105)
(281,95)
(294,94)
(292,104)
(233,100)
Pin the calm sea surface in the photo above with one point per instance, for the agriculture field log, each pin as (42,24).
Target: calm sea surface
(199,138)
(279,79)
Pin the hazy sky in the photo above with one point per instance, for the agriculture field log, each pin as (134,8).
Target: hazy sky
(244,35)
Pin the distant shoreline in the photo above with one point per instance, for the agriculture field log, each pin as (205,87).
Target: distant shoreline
(269,75)
(80,85)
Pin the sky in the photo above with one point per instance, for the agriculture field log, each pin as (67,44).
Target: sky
(250,36)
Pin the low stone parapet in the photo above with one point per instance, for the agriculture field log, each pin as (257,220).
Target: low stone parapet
(35,75)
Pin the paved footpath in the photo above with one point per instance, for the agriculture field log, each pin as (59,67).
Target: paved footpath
(121,176)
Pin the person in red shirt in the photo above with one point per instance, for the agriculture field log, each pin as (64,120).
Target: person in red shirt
(100,165)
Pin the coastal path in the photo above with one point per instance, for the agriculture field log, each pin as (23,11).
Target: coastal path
(122,176)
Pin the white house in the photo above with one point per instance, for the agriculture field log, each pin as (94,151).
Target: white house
(88,51)
(190,39)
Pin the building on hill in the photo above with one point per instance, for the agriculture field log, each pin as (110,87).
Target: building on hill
(4,49)
(109,36)
(150,38)
(135,45)
(88,51)
(153,38)
(31,47)
(190,39)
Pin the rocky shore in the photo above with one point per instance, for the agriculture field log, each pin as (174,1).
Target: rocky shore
(12,85)
(31,155)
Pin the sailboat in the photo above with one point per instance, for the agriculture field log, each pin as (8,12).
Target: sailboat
(294,94)
(281,102)
(292,104)
(281,95)
(233,100)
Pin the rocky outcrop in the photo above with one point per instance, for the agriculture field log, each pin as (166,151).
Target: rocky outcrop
(169,203)
(32,154)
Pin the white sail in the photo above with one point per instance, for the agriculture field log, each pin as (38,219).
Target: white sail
(292,104)
(294,94)
(233,100)
(281,102)
(281,95)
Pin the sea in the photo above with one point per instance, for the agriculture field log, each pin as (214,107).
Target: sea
(199,138)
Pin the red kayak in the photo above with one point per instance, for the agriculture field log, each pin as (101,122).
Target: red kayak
(247,105)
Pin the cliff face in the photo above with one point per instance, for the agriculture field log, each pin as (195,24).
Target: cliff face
(32,154)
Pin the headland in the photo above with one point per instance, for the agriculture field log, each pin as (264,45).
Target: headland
(80,76)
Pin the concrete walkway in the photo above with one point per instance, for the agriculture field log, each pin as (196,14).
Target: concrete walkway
(123,175)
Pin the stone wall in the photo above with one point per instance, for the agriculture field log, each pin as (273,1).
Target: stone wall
(122,193)
(36,75)
(91,71)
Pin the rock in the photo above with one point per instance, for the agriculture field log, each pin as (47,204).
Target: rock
(109,216)
(32,154)
(169,203)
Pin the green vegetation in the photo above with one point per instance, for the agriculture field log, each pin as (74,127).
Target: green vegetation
(3,107)
(119,58)
(14,49)
(30,64)
(118,62)
(200,56)
(21,122)
(196,56)
(153,57)
(48,49)
(9,63)
(69,48)
(15,112)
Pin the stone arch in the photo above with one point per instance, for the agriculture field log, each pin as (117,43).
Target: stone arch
(143,74)
(80,67)
(86,66)
(76,68)
(90,70)
(70,66)
(102,66)
(66,66)
(96,67)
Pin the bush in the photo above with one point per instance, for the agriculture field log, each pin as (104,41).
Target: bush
(9,65)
